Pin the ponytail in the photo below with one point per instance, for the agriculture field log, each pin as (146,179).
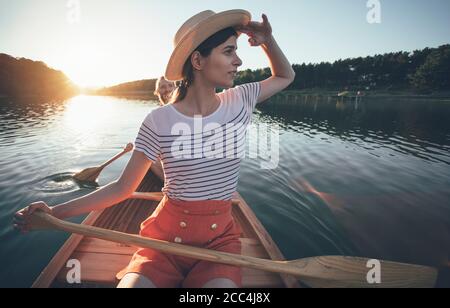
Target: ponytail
(180,92)
(182,86)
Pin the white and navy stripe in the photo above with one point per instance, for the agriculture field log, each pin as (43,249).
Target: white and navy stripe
(201,178)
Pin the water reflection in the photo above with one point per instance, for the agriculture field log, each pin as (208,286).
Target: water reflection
(367,178)
(414,127)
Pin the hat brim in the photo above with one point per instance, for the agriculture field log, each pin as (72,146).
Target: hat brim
(201,32)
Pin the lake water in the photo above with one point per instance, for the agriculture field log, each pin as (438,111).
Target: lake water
(368,178)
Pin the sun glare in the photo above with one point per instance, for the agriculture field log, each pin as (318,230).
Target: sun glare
(89,66)
(85,116)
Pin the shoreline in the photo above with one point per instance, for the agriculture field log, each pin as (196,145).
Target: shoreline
(443,95)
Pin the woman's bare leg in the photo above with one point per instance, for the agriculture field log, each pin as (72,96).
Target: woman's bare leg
(220,283)
(134,280)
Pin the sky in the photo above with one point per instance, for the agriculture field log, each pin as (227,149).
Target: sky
(104,42)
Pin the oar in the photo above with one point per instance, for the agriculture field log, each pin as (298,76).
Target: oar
(157,196)
(327,271)
(91,174)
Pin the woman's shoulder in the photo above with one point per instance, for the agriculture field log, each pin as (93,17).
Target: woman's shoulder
(161,111)
(242,92)
(155,116)
(242,88)
(163,118)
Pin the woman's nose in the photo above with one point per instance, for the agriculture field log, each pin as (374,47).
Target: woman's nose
(238,61)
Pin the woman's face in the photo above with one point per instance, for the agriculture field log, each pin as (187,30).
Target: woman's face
(165,89)
(222,64)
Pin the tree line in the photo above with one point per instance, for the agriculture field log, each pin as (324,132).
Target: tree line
(423,70)
(145,86)
(22,77)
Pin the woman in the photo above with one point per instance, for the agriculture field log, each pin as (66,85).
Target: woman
(201,174)
(163,90)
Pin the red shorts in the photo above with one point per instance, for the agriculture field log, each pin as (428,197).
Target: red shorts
(207,224)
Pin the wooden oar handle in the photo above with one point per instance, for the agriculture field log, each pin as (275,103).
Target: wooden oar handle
(125,150)
(157,196)
(152,196)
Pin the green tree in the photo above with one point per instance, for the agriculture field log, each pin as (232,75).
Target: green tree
(434,74)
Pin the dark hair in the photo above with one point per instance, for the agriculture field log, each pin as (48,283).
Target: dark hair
(205,50)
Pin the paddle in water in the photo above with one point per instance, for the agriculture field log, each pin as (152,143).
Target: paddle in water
(325,271)
(91,174)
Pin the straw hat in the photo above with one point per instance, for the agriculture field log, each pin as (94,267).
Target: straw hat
(195,31)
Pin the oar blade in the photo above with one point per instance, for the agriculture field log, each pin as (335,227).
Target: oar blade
(353,272)
(88,175)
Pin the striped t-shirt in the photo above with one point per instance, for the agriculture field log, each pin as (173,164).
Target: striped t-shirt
(200,155)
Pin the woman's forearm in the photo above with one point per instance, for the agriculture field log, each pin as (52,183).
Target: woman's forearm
(102,198)
(279,64)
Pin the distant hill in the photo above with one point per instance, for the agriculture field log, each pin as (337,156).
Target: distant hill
(144,87)
(423,71)
(24,77)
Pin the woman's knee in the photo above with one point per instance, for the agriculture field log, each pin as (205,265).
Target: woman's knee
(134,280)
(220,283)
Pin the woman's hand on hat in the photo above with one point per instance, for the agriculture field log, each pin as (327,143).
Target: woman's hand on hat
(259,33)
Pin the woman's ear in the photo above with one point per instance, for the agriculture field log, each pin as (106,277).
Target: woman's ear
(197,61)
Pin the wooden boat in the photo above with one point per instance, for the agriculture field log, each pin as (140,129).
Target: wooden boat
(101,260)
